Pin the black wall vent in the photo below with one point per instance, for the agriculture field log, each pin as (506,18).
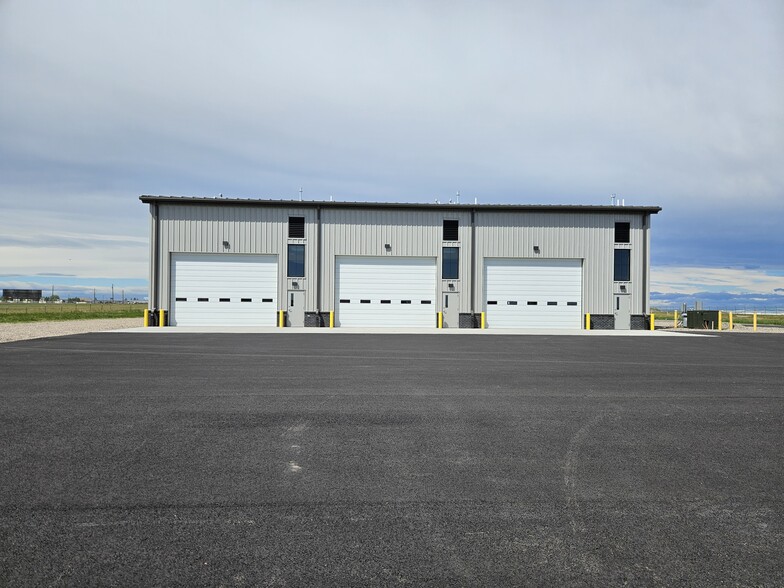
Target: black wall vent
(450,230)
(622,232)
(296,227)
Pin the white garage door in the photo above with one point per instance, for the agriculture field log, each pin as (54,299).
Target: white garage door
(224,290)
(386,291)
(533,293)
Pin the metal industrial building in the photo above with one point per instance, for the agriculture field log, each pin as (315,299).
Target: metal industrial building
(232,262)
(17,295)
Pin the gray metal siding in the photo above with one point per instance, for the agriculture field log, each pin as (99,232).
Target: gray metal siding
(251,230)
(410,233)
(590,237)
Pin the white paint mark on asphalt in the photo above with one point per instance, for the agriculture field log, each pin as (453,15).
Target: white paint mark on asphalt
(296,429)
(293,467)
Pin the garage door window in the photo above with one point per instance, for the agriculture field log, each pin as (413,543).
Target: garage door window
(622,271)
(296,265)
(450,257)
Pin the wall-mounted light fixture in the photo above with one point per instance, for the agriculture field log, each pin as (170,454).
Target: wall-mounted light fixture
(295,285)
(536,249)
(623,288)
(387,246)
(451,286)
(226,245)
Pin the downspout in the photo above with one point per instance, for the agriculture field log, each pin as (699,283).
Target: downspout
(473,260)
(318,261)
(156,249)
(645,264)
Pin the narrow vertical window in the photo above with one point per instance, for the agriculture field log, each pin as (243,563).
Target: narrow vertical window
(450,230)
(622,266)
(296,265)
(296,227)
(450,262)
(622,232)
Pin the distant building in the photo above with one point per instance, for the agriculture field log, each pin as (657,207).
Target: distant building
(15,295)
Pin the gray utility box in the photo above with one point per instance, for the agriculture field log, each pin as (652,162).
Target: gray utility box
(702,319)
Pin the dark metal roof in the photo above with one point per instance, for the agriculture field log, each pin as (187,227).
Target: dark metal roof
(213,201)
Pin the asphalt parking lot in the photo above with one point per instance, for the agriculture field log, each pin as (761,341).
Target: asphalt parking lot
(396,460)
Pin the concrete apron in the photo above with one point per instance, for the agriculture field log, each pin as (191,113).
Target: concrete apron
(411,331)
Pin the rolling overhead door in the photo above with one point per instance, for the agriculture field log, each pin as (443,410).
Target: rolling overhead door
(533,293)
(386,291)
(224,290)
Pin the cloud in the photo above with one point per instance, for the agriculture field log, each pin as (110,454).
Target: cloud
(694,279)
(679,105)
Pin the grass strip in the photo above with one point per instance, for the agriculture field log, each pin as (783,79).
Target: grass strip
(35,317)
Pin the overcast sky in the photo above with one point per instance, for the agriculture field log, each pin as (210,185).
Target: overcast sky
(675,104)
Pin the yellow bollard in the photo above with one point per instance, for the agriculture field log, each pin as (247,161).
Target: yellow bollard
(730,321)
(483,319)
(440,320)
(587,321)
(280,318)
(146,317)
(161,318)
(755,322)
(653,322)
(719,320)
(674,319)
(331,319)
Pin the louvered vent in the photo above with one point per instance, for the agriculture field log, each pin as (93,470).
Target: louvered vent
(296,227)
(450,230)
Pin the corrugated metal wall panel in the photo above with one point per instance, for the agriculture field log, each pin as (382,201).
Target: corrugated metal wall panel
(251,230)
(194,228)
(410,233)
(588,236)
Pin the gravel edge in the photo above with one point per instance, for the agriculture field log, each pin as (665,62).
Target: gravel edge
(37,330)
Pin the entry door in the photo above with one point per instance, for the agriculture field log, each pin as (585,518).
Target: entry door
(451,309)
(295,310)
(622,312)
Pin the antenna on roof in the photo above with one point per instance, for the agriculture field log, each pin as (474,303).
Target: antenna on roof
(458,196)
(612,199)
(300,193)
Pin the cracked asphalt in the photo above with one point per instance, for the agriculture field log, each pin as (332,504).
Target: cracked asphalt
(391,460)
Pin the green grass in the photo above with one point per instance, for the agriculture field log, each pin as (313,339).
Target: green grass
(776,320)
(28,313)
(738,318)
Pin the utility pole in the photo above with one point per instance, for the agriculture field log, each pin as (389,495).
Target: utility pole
(112,293)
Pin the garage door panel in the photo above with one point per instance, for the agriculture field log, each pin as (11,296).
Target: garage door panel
(533,293)
(392,292)
(224,290)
